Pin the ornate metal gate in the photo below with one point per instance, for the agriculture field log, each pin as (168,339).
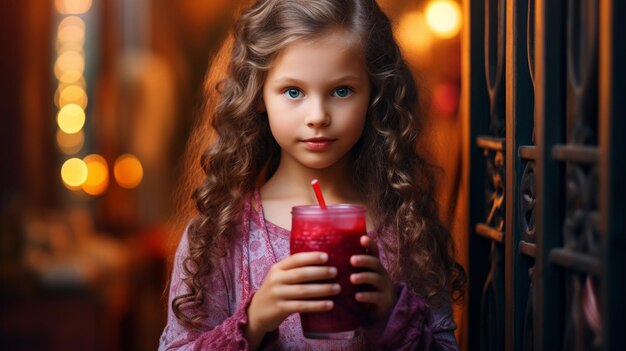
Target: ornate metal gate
(545,84)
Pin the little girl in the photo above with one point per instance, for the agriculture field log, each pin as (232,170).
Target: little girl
(314,89)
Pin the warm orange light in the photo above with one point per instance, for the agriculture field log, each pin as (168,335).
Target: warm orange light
(444,18)
(71,31)
(62,85)
(71,21)
(72,7)
(71,118)
(73,94)
(128,171)
(70,143)
(97,175)
(73,173)
(69,61)
(74,77)
(414,36)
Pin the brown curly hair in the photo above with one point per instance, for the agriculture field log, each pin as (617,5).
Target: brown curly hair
(243,154)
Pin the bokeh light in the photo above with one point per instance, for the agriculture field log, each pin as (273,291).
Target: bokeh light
(74,77)
(70,144)
(444,18)
(128,171)
(71,118)
(446,99)
(70,98)
(414,36)
(72,7)
(72,94)
(97,176)
(74,173)
(70,60)
(71,32)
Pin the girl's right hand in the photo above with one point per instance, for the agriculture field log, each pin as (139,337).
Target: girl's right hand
(285,291)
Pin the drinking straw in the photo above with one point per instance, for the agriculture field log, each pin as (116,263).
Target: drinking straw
(318,193)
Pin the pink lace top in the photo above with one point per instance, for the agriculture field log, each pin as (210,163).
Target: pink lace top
(412,325)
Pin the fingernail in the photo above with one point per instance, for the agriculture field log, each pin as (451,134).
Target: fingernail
(332,270)
(324,257)
(336,287)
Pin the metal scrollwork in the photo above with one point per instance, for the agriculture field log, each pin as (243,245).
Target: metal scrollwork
(580,228)
(530,40)
(495,36)
(495,189)
(527,202)
(492,299)
(530,51)
(583,330)
(591,310)
(580,233)
(492,304)
(582,70)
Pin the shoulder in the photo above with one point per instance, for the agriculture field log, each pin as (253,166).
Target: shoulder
(441,307)
(192,241)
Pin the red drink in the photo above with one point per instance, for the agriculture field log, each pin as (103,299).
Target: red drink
(336,231)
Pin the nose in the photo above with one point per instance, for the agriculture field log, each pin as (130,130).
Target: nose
(317,114)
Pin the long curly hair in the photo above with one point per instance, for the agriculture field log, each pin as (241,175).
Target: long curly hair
(398,183)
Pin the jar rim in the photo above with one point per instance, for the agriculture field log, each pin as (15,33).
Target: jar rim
(334,209)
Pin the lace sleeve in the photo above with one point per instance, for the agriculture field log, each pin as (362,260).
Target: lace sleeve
(443,323)
(220,330)
(413,325)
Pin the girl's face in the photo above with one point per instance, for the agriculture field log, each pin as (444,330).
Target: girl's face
(316,96)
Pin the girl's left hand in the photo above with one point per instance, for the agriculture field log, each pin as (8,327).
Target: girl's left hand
(383,296)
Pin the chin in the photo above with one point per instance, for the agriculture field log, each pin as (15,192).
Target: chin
(319,164)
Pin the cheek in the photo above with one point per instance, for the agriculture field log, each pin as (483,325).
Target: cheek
(276,118)
(356,123)
(357,129)
(280,129)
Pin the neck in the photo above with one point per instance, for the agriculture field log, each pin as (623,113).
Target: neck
(293,181)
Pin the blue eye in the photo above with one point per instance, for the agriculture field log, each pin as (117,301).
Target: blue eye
(292,93)
(342,92)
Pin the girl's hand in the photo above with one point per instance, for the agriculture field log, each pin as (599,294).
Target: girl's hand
(383,295)
(284,291)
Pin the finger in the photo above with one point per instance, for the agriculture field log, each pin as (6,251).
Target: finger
(373,297)
(304,306)
(303,259)
(370,278)
(370,245)
(307,291)
(369,262)
(308,274)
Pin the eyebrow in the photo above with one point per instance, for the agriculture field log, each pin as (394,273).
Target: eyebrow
(341,79)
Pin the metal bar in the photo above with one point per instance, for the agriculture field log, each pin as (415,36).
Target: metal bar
(612,127)
(490,143)
(527,152)
(576,153)
(519,102)
(474,106)
(528,249)
(549,128)
(577,261)
(489,232)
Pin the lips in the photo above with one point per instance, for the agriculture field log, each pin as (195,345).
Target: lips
(318,143)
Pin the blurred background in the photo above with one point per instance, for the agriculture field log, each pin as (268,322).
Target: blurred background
(98,100)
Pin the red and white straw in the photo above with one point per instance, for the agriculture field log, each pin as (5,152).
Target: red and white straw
(318,193)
